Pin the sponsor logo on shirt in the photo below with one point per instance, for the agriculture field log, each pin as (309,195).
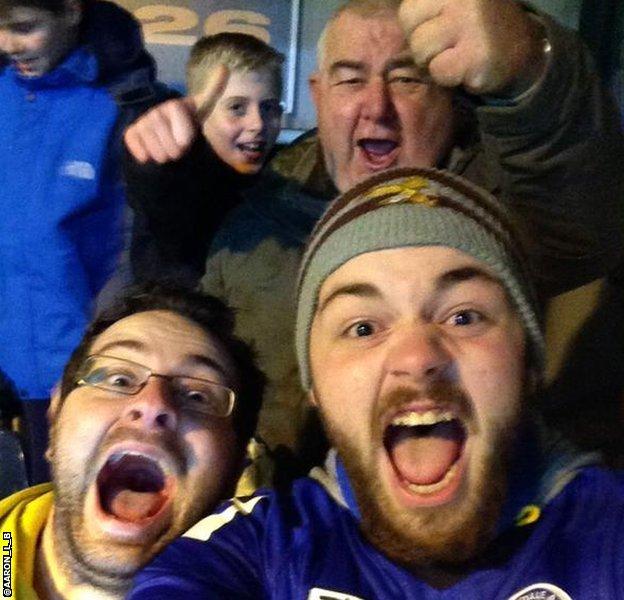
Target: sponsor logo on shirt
(78,169)
(321,594)
(541,591)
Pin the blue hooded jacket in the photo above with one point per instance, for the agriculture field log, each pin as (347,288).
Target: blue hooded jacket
(61,195)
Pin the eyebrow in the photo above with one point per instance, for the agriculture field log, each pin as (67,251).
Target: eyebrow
(405,62)
(208,362)
(192,359)
(461,274)
(346,64)
(443,283)
(361,290)
(129,344)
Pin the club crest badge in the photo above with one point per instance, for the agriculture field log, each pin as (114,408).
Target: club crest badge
(541,591)
(322,594)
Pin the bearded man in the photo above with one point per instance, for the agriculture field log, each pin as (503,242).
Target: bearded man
(419,341)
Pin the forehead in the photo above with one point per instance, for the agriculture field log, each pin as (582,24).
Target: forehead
(161,340)
(261,83)
(408,270)
(371,39)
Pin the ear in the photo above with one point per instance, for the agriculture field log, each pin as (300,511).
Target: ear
(73,12)
(312,398)
(315,87)
(53,411)
(55,403)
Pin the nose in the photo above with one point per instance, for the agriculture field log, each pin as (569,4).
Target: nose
(152,409)
(254,120)
(377,102)
(418,355)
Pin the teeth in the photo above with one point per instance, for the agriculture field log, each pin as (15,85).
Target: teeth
(423,490)
(115,458)
(430,417)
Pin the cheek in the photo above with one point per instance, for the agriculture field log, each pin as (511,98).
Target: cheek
(346,385)
(211,453)
(219,131)
(39,42)
(338,114)
(76,439)
(427,125)
(495,378)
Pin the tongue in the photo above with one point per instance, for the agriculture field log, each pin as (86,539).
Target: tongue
(424,459)
(378,148)
(128,505)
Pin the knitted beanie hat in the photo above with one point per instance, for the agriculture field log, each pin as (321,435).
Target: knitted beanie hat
(415,207)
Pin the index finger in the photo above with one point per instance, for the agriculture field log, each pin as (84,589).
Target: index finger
(215,84)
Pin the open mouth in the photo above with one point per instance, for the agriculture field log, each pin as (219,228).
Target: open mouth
(132,487)
(424,449)
(24,64)
(378,153)
(253,151)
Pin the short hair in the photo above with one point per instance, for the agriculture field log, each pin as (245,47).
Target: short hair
(53,6)
(238,52)
(363,8)
(209,313)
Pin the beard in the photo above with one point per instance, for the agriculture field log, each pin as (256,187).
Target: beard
(103,564)
(444,536)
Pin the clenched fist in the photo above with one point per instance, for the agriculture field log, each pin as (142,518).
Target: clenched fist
(167,131)
(489,47)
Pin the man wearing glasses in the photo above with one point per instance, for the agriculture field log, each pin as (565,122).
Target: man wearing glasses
(148,432)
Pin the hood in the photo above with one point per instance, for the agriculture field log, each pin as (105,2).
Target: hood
(110,54)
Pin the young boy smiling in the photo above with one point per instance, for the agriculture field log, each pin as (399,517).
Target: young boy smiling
(234,84)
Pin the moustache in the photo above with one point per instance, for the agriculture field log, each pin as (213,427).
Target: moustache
(445,396)
(167,441)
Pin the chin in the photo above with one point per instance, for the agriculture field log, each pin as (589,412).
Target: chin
(247,168)
(447,527)
(432,490)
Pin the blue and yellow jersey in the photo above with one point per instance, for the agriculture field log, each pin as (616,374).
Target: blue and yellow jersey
(307,545)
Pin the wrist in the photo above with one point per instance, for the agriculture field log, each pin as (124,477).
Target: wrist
(534,72)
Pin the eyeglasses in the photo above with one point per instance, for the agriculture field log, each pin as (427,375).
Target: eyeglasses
(125,377)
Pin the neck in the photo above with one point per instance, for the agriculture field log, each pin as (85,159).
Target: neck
(55,578)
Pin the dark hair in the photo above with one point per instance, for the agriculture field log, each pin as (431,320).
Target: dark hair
(214,317)
(53,6)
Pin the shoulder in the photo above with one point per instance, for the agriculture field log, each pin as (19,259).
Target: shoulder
(305,501)
(252,221)
(235,513)
(607,483)
(29,507)
(297,159)
(262,546)
(275,208)
(594,499)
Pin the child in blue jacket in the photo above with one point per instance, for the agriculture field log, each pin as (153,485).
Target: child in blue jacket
(73,73)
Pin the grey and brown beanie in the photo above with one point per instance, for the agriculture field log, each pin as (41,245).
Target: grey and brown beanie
(415,207)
